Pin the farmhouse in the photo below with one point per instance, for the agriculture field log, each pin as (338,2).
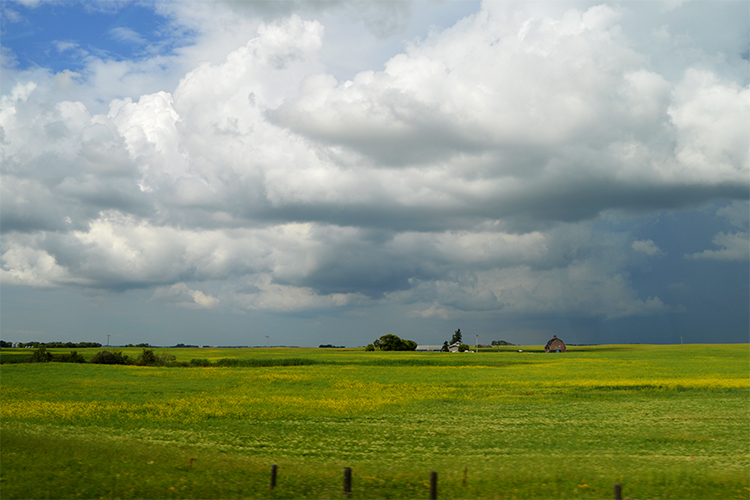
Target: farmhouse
(555,345)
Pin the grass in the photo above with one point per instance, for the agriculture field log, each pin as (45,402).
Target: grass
(665,422)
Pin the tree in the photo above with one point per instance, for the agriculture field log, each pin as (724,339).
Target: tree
(445,347)
(456,337)
(390,342)
(463,348)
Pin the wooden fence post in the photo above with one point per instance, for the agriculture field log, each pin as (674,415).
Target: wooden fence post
(433,485)
(274,468)
(347,480)
(618,491)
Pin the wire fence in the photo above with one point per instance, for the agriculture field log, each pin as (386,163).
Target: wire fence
(433,483)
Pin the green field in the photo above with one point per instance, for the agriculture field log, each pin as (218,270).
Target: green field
(664,421)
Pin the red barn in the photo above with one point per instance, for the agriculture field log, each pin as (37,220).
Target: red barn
(555,345)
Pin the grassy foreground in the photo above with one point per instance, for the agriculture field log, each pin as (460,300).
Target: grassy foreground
(665,422)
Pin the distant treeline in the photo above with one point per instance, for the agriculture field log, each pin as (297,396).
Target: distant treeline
(148,358)
(63,345)
(331,346)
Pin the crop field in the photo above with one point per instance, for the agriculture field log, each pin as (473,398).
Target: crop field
(664,421)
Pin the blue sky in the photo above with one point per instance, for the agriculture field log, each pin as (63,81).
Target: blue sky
(329,172)
(56,35)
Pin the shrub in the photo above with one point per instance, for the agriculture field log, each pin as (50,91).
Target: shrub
(165,359)
(73,357)
(147,358)
(110,358)
(463,347)
(41,356)
(200,362)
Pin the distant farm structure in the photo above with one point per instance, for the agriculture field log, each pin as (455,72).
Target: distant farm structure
(428,348)
(555,345)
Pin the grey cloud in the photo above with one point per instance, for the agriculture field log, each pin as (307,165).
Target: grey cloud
(25,206)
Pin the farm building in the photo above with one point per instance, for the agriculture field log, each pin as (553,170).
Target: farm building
(555,345)
(429,348)
(437,348)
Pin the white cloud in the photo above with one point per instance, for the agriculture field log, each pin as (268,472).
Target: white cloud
(737,213)
(734,247)
(264,295)
(181,295)
(434,311)
(25,265)
(712,130)
(647,247)
(127,35)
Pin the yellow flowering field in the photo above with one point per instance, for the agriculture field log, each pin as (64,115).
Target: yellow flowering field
(664,421)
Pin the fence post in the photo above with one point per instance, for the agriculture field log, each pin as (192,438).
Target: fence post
(433,485)
(274,468)
(347,480)
(618,491)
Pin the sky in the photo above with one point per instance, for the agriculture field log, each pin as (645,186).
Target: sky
(327,172)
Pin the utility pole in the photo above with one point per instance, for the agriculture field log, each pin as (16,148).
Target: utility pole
(476,347)
(107,340)
(266,344)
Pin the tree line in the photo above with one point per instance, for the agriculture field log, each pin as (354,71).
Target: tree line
(146,358)
(58,345)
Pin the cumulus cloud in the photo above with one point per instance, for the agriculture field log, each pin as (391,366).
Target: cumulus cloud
(733,247)
(179,294)
(555,119)
(463,177)
(647,247)
(737,214)
(26,265)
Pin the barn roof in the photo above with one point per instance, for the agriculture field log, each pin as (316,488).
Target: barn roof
(429,347)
